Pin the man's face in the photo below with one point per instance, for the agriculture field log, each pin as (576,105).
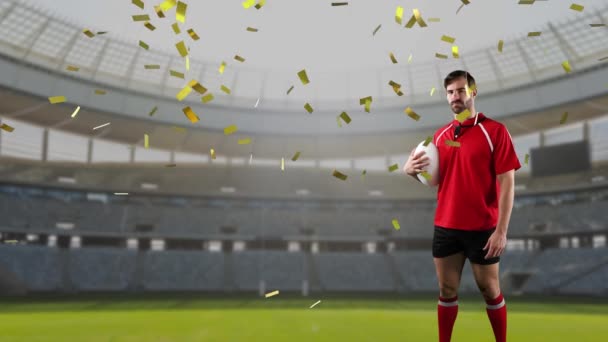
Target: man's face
(459,97)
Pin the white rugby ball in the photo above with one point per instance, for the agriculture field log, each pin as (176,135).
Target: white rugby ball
(433,168)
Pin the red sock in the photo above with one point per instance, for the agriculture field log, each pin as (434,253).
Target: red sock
(447,310)
(497,313)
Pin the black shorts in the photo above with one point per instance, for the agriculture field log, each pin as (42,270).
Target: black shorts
(451,241)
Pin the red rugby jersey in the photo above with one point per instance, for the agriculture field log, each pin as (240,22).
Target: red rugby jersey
(467,197)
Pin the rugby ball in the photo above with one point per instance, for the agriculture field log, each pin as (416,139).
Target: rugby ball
(433,168)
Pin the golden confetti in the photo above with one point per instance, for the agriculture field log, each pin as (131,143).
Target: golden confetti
(159,12)
(141,17)
(282,164)
(193,35)
(534,34)
(248,3)
(72,68)
(442,56)
(190,114)
(149,26)
(432,91)
(564,118)
(312,306)
(180,13)
(245,141)
(181,48)
(465,2)
(577,7)
(295,156)
(252,29)
(434,20)
(526,2)
(179,129)
(88,33)
(376,30)
(597,25)
(452,143)
(308,108)
(152,66)
(410,112)
(207,98)
(427,141)
(176,74)
(100,92)
(418,17)
(101,33)
(260,4)
(463,115)
(409,59)
(399,15)
(396,87)
(230,129)
(426,176)
(272,294)
(167,5)
(363,173)
(500,45)
(239,58)
(396,224)
(7,128)
(393,167)
(289,90)
(448,39)
(455,51)
(222,67)
(393,59)
(303,77)
(176,28)
(566,66)
(212,152)
(225,89)
(366,102)
(153,111)
(339,175)
(526,158)
(344,116)
(75,112)
(101,126)
(183,93)
(57,99)
(144,45)
(339,3)
(146,141)
(197,87)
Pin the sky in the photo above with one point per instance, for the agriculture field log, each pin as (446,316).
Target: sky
(313,34)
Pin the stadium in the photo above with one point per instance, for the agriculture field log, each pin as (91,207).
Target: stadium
(152,191)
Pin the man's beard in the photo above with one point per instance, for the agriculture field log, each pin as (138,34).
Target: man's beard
(458,107)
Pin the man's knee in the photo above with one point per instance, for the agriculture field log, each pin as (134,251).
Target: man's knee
(489,291)
(447,290)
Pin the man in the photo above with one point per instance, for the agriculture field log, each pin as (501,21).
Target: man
(474,203)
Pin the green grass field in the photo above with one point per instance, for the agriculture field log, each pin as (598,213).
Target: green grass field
(282,318)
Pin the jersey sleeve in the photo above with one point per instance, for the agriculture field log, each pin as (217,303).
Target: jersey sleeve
(505,158)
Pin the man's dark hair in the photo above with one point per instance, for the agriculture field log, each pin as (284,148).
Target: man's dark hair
(454,75)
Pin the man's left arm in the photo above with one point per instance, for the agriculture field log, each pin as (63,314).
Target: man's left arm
(498,240)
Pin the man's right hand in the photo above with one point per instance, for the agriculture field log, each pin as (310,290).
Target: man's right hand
(416,163)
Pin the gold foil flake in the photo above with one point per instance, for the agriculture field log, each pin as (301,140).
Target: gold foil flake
(597,25)
(75,112)
(455,52)
(260,4)
(57,99)
(463,115)
(448,39)
(526,2)
(88,33)
(207,98)
(393,167)
(7,128)
(239,58)
(176,28)
(100,92)
(399,15)
(296,156)
(222,67)
(312,306)
(176,74)
(225,89)
(339,3)
(566,66)
(153,111)
(167,5)
(282,164)
(181,48)
(248,3)
(72,68)
(183,93)
(432,91)
(152,66)
(197,87)
(410,112)
(143,45)
(187,62)
(501,43)
(193,34)
(159,12)
(141,17)
(339,175)
(101,33)
(180,12)
(212,152)
(577,7)
(245,141)
(252,29)
(308,108)
(452,143)
(101,126)
(434,20)
(149,26)
(418,17)
(344,116)
(396,225)
(230,129)
(441,56)
(303,77)
(146,141)
(427,141)
(426,176)
(526,159)
(564,118)
(393,59)
(409,59)
(534,34)
(190,114)
(289,90)
(272,294)
(376,29)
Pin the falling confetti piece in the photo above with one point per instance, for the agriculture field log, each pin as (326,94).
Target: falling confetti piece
(339,175)
(393,167)
(222,67)
(432,91)
(143,45)
(101,126)
(75,112)
(57,99)
(500,45)
(427,141)
(455,52)
(409,59)
(308,108)
(152,66)
(315,304)
(72,68)
(344,116)
(272,294)
(167,5)
(176,28)
(289,90)
(88,33)
(399,15)
(393,59)
(245,141)
(339,3)
(442,56)
(534,34)
(303,77)
(564,118)
(410,112)
(191,115)
(141,17)
(149,26)
(566,66)
(597,25)
(100,92)
(239,58)
(427,175)
(180,12)
(207,98)
(282,164)
(463,115)
(295,156)
(230,129)
(183,93)
(176,74)
(248,3)
(212,152)
(197,87)
(396,224)
(526,158)
(146,141)
(376,30)
(434,20)
(7,128)
(577,7)
(181,48)
(225,89)
(252,29)
(193,34)
(121,193)
(448,39)
(159,12)
(153,111)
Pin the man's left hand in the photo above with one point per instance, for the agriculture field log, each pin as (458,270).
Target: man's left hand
(495,245)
